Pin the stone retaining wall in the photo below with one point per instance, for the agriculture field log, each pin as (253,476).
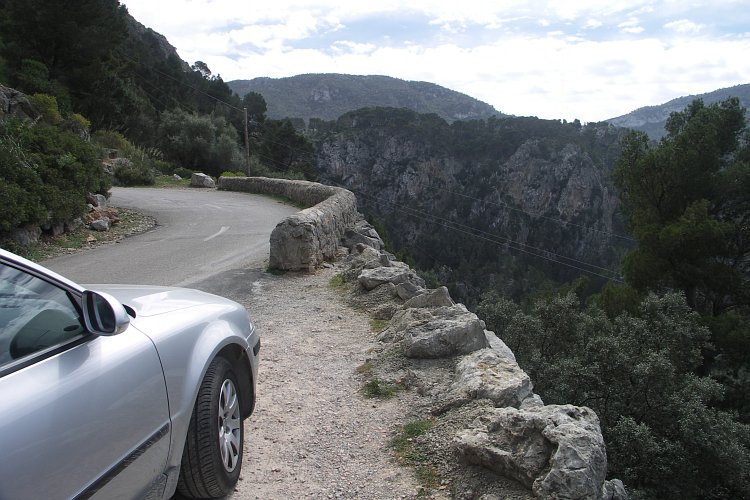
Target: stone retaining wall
(306,239)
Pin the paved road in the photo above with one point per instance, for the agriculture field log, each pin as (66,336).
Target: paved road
(204,239)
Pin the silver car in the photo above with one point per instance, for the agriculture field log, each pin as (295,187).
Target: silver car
(122,392)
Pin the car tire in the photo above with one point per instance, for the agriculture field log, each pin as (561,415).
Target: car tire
(212,458)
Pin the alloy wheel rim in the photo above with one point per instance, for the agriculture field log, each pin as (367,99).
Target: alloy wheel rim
(229,426)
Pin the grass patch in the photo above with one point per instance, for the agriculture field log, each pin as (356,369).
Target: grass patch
(275,271)
(408,453)
(365,368)
(376,388)
(337,281)
(378,325)
(166,181)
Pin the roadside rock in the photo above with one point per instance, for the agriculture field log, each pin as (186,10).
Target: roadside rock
(438,297)
(446,331)
(557,451)
(408,290)
(497,344)
(202,181)
(487,374)
(364,233)
(97,200)
(371,278)
(100,225)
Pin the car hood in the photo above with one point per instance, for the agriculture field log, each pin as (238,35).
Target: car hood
(154,300)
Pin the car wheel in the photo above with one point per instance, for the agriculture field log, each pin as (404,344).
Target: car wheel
(212,458)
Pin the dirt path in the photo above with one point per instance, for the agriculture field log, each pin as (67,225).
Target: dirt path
(313,434)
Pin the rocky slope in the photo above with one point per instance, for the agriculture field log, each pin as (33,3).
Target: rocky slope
(651,119)
(504,203)
(328,96)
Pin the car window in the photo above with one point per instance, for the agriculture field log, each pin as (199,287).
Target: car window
(34,315)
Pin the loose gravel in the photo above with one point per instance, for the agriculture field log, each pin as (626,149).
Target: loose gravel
(314,434)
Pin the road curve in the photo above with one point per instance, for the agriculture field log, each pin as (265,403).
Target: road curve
(201,235)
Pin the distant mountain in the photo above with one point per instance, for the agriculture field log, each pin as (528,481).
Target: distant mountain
(328,96)
(651,119)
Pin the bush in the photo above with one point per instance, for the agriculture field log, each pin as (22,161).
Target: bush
(638,372)
(111,139)
(183,172)
(47,107)
(233,174)
(128,173)
(46,174)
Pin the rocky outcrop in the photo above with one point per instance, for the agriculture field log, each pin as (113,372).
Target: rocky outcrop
(555,451)
(15,103)
(489,374)
(306,239)
(454,363)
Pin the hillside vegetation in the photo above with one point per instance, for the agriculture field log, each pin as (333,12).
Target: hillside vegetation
(328,96)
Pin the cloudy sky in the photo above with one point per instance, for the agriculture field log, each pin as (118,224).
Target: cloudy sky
(585,59)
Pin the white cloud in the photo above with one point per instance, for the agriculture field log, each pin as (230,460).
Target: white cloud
(632,26)
(684,26)
(596,62)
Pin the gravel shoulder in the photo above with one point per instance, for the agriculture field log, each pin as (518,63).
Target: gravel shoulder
(314,434)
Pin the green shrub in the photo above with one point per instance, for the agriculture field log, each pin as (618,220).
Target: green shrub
(376,388)
(46,174)
(47,107)
(233,174)
(128,173)
(81,120)
(164,167)
(183,172)
(110,139)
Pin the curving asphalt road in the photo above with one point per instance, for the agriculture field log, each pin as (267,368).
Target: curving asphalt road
(204,239)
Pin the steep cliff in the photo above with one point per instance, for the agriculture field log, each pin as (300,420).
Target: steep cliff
(505,203)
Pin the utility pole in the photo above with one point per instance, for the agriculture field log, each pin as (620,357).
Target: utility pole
(247,147)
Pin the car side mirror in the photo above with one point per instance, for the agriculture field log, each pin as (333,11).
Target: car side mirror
(103,314)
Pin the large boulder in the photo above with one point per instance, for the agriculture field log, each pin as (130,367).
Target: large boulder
(436,333)
(488,374)
(202,181)
(372,278)
(438,297)
(556,451)
(15,103)
(497,344)
(408,290)
(363,233)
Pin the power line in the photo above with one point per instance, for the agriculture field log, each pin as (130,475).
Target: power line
(496,239)
(552,219)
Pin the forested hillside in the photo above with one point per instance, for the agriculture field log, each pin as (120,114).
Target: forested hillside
(89,71)
(328,96)
(506,203)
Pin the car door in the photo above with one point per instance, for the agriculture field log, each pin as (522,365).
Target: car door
(80,415)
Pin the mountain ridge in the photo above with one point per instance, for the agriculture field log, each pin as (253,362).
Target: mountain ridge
(651,119)
(329,95)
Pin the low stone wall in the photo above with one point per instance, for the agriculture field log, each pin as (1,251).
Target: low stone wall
(306,239)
